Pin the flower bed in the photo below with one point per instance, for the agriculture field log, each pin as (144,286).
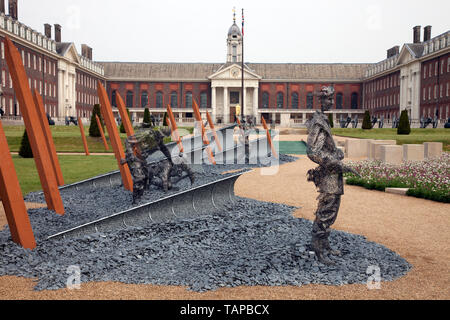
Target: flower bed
(429,179)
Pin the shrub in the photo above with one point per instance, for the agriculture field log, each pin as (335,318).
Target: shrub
(147,116)
(93,128)
(122,128)
(403,125)
(366,122)
(25,147)
(330,120)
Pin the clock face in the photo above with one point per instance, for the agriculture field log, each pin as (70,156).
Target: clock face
(235,73)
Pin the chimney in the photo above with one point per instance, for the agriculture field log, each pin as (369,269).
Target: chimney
(416,35)
(393,51)
(57,33)
(2,6)
(13,9)
(48,30)
(427,33)
(84,51)
(90,53)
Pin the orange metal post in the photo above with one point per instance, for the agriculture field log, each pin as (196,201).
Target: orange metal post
(83,136)
(99,124)
(174,128)
(48,137)
(124,116)
(114,137)
(198,117)
(211,125)
(269,138)
(35,133)
(12,198)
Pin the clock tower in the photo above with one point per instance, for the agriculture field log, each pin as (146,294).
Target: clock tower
(234,43)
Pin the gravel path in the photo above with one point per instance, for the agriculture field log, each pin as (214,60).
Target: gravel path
(260,243)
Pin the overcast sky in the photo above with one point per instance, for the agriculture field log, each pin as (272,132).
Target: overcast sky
(325,31)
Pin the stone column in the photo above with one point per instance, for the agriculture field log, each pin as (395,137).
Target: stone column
(304,117)
(255,105)
(226,108)
(213,104)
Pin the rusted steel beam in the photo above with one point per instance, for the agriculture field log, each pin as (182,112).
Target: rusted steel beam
(211,125)
(34,129)
(12,198)
(198,117)
(124,116)
(83,136)
(48,137)
(174,129)
(102,133)
(269,138)
(114,137)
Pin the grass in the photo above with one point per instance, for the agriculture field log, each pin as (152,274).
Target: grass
(68,139)
(74,168)
(417,136)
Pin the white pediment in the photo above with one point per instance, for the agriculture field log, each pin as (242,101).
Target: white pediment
(405,56)
(72,54)
(233,72)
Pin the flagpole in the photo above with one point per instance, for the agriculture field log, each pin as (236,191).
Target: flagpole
(242,57)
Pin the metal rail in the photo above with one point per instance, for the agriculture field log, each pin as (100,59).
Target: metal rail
(191,203)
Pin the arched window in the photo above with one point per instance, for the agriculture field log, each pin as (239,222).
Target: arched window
(354,100)
(309,100)
(339,100)
(188,100)
(159,99)
(144,99)
(265,99)
(174,99)
(113,98)
(294,100)
(130,98)
(203,100)
(280,100)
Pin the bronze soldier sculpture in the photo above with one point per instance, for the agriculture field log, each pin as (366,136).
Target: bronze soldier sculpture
(146,141)
(328,176)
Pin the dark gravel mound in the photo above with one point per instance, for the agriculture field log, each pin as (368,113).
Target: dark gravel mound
(249,243)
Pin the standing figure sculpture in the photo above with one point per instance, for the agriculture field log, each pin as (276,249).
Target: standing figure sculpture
(328,176)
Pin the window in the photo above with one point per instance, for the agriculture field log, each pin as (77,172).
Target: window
(280,100)
(339,100)
(441,90)
(174,99)
(144,99)
(234,54)
(354,100)
(436,68)
(130,98)
(159,99)
(203,100)
(188,100)
(294,100)
(265,99)
(424,93)
(113,98)
(309,100)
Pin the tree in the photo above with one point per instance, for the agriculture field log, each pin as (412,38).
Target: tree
(403,125)
(147,116)
(93,128)
(122,128)
(165,124)
(330,120)
(366,122)
(25,147)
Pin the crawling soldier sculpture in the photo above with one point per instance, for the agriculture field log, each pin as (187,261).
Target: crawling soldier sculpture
(138,147)
(164,175)
(328,176)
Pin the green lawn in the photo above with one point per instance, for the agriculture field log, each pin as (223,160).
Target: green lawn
(74,168)
(66,139)
(417,136)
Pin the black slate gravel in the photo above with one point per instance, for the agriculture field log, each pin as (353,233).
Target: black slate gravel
(248,243)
